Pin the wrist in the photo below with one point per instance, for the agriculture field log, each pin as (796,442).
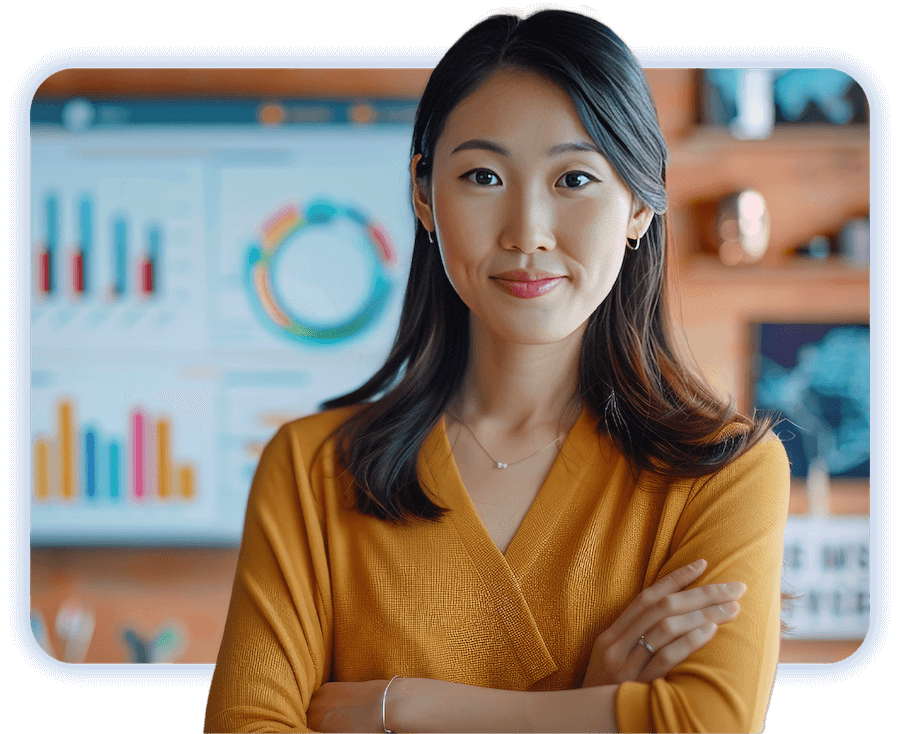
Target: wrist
(388,727)
(426,705)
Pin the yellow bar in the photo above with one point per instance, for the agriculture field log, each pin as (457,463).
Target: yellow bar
(186,482)
(41,469)
(66,452)
(162,458)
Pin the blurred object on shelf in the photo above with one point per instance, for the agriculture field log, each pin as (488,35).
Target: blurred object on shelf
(139,648)
(740,99)
(818,488)
(41,633)
(853,242)
(74,628)
(742,225)
(166,646)
(750,102)
(818,248)
(170,643)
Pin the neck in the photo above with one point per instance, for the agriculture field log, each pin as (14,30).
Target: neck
(519,386)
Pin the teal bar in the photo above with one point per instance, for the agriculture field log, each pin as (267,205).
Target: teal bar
(51,212)
(114,470)
(90,463)
(86,231)
(154,256)
(120,256)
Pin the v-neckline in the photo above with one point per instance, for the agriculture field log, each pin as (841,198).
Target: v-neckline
(543,513)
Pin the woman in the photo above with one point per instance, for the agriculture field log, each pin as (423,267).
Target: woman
(505,528)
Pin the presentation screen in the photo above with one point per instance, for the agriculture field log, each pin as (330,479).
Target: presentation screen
(198,279)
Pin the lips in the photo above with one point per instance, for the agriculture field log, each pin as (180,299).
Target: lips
(527,283)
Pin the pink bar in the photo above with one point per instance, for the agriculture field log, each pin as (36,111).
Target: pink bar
(138,434)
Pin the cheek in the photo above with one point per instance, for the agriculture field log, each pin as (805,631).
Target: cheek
(599,240)
(460,231)
(455,217)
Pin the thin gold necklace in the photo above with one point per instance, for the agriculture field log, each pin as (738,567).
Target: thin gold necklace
(502,464)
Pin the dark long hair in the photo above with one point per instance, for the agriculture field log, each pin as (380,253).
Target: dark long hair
(659,412)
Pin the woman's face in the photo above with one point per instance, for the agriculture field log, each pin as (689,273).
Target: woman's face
(531,219)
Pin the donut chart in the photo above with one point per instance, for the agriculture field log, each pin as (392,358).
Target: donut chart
(276,234)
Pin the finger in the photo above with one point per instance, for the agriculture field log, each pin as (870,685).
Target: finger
(671,629)
(650,596)
(673,605)
(683,602)
(664,660)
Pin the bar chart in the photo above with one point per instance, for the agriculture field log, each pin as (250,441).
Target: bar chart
(136,468)
(118,252)
(81,266)
(127,456)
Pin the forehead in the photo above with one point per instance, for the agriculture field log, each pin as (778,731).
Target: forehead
(514,104)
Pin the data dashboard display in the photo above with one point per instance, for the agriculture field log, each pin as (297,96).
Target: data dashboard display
(194,287)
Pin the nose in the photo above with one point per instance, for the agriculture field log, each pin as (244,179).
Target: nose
(528,221)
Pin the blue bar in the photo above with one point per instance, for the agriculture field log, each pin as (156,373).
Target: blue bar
(90,463)
(86,227)
(114,470)
(120,256)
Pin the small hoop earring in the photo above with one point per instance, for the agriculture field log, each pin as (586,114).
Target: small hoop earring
(637,245)
(431,238)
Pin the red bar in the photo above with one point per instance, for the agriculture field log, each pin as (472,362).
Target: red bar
(147,277)
(44,274)
(78,272)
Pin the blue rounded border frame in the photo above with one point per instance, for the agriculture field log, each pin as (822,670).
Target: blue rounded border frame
(427,57)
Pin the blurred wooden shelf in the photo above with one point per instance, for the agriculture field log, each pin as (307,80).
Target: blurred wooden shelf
(816,651)
(832,270)
(847,496)
(243,83)
(716,140)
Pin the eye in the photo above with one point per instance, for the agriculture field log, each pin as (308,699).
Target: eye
(576,180)
(483,177)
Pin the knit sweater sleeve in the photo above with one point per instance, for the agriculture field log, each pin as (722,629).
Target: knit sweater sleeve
(276,648)
(735,520)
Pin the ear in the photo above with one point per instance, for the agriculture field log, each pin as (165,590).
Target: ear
(640,220)
(421,200)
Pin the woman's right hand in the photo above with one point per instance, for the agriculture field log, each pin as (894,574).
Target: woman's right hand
(674,622)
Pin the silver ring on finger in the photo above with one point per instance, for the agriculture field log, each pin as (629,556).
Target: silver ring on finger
(646,645)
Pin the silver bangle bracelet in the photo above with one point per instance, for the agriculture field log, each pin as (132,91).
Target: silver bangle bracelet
(383,701)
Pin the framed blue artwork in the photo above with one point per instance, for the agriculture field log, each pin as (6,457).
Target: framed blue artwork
(816,377)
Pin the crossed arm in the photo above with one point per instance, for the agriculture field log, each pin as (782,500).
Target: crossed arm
(675,622)
(273,670)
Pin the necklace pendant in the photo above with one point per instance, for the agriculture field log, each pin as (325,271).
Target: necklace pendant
(501,465)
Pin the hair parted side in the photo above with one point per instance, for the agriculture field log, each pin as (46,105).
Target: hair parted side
(658,411)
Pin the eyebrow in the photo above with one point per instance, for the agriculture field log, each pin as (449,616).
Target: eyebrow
(480,144)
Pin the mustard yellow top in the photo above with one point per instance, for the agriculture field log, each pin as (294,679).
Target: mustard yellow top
(324,593)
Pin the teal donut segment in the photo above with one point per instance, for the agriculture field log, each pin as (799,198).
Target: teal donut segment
(298,329)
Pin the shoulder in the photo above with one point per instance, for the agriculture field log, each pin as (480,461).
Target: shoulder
(307,435)
(311,431)
(761,472)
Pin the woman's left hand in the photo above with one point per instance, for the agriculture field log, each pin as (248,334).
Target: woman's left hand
(347,707)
